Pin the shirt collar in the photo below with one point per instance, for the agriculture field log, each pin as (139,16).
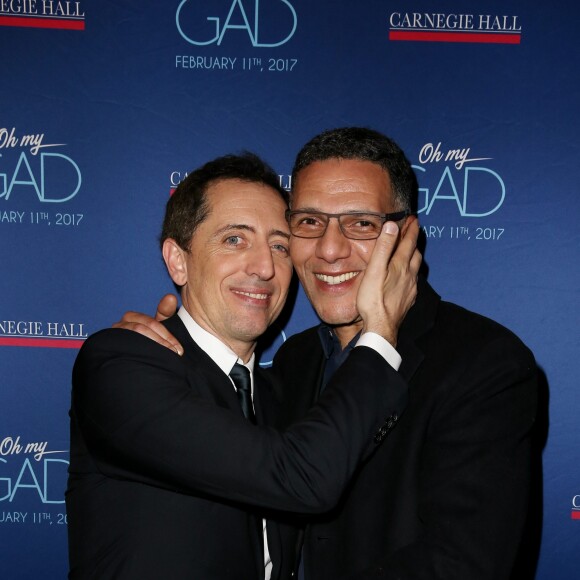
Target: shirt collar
(330,342)
(223,356)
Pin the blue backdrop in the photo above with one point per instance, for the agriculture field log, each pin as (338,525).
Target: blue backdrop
(105,106)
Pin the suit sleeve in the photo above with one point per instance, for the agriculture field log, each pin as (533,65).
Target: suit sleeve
(475,478)
(143,420)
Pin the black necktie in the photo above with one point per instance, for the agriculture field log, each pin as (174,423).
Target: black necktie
(241,377)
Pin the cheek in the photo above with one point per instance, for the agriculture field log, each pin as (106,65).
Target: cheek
(213,286)
(364,250)
(222,269)
(300,250)
(284,276)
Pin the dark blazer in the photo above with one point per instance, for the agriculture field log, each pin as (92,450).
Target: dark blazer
(445,496)
(167,479)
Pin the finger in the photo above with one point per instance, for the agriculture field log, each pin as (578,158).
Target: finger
(130,318)
(160,335)
(416,261)
(383,250)
(406,248)
(414,266)
(166,308)
(410,220)
(149,327)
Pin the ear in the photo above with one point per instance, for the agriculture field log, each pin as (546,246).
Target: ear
(175,260)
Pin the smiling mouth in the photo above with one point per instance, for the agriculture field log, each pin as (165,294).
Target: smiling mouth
(252,295)
(332,280)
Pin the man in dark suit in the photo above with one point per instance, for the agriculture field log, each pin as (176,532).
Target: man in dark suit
(168,474)
(446,495)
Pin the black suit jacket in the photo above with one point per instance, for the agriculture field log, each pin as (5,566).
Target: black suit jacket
(167,479)
(445,497)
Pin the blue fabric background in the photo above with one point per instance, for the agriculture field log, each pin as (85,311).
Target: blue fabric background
(122,108)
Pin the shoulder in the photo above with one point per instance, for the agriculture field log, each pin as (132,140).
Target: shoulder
(305,340)
(470,354)
(112,340)
(120,346)
(444,327)
(468,330)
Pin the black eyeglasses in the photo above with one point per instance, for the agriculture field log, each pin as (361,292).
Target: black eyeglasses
(353,225)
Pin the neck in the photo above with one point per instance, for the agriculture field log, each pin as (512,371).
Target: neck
(346,333)
(242,348)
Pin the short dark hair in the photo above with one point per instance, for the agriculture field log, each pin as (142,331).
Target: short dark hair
(363,144)
(188,206)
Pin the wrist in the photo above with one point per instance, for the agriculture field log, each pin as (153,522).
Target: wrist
(383,330)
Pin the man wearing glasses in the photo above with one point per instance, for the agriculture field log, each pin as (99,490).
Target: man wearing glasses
(446,496)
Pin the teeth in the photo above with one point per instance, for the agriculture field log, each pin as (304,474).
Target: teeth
(332,280)
(257,296)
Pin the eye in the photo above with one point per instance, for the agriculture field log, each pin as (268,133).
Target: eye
(281,248)
(233,240)
(308,221)
(362,223)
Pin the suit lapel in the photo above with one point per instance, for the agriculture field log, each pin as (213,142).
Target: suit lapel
(219,388)
(217,385)
(418,321)
(266,403)
(307,374)
(266,407)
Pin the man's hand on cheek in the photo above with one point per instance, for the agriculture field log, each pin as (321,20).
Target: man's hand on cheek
(389,286)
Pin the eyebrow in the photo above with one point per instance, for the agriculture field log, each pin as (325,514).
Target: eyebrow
(279,233)
(315,210)
(305,209)
(246,227)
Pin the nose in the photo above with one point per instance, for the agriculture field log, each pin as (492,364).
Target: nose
(260,261)
(333,245)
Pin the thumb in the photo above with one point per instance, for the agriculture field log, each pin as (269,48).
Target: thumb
(166,308)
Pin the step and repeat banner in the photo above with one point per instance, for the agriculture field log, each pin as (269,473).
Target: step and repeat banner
(106,106)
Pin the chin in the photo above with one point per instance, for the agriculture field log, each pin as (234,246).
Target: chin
(251,332)
(337,317)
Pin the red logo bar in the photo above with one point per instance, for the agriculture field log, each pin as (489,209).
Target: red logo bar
(575,515)
(478,37)
(40,342)
(33,22)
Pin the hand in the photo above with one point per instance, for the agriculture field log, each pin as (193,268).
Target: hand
(389,286)
(151,327)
